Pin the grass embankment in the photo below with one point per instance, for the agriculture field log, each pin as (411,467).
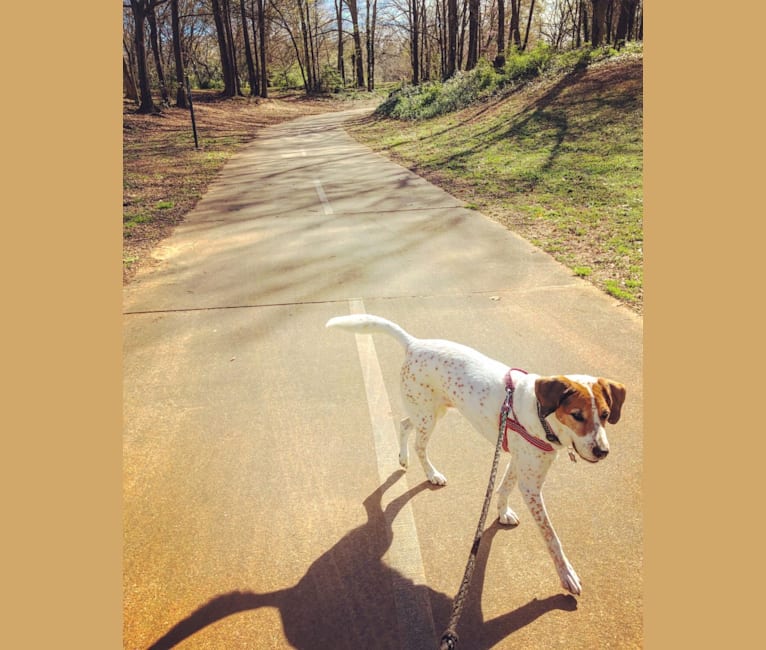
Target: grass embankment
(164,175)
(556,157)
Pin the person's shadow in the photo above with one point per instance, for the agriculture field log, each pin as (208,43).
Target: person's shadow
(346,600)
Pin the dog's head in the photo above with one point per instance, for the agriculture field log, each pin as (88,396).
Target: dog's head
(583,405)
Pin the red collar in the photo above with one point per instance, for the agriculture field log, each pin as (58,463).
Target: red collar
(513,423)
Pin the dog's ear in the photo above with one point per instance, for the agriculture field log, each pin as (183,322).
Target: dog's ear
(614,393)
(551,392)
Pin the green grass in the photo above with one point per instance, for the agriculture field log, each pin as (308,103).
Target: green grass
(560,161)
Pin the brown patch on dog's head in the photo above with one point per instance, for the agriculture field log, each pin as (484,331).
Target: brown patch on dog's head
(612,394)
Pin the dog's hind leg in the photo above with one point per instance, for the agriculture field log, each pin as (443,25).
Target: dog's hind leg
(405,426)
(424,421)
(423,408)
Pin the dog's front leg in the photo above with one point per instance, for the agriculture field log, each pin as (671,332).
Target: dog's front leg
(504,513)
(534,499)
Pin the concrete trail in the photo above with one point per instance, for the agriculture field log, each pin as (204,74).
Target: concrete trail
(264,506)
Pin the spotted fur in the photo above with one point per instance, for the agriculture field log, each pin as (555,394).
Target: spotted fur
(437,375)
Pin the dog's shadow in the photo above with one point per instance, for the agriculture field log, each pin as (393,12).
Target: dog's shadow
(345,599)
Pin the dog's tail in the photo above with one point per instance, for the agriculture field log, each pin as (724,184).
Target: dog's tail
(369,324)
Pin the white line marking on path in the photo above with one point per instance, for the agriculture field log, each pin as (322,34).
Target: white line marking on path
(323,198)
(294,154)
(413,607)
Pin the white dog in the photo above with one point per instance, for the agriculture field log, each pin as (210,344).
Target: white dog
(545,414)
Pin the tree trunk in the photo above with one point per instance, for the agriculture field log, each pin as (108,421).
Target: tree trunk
(599,22)
(252,79)
(177,54)
(232,47)
(500,58)
(128,84)
(425,47)
(625,21)
(514,35)
(310,82)
(461,37)
(452,19)
(230,87)
(414,40)
(262,38)
(372,19)
(339,17)
(155,43)
(358,61)
(584,21)
(473,34)
(140,8)
(529,24)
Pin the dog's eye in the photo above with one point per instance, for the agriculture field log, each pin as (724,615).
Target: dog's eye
(604,415)
(577,416)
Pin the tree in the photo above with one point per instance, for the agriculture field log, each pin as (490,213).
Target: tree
(155,43)
(500,58)
(514,35)
(251,74)
(226,47)
(141,10)
(370,22)
(529,24)
(262,39)
(599,22)
(358,62)
(339,19)
(178,55)
(413,13)
(625,21)
(452,19)
(473,34)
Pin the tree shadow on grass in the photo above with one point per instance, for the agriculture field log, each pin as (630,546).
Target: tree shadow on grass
(346,599)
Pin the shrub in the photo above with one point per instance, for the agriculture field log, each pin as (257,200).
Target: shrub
(528,64)
(435,98)
(330,80)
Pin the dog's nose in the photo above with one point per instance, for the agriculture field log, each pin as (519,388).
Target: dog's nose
(600,453)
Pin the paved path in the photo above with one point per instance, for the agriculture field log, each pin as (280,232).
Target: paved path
(264,506)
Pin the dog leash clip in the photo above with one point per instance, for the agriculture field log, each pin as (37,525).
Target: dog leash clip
(572,456)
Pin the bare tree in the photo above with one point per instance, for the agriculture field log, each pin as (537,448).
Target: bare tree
(262,39)
(178,55)
(500,58)
(358,61)
(339,18)
(220,16)
(251,74)
(529,24)
(452,23)
(598,29)
(154,39)
(370,23)
(514,35)
(141,10)
(473,34)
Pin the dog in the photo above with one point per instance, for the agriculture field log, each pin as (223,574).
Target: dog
(545,415)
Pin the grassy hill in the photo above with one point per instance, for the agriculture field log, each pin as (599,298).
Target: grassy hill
(556,157)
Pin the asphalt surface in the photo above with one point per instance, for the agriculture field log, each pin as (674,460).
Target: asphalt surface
(263,502)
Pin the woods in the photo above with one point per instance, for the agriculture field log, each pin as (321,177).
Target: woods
(245,47)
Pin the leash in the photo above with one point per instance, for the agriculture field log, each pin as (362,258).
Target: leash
(450,638)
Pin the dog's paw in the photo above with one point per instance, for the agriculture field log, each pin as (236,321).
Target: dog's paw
(437,478)
(404,459)
(508,518)
(570,580)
